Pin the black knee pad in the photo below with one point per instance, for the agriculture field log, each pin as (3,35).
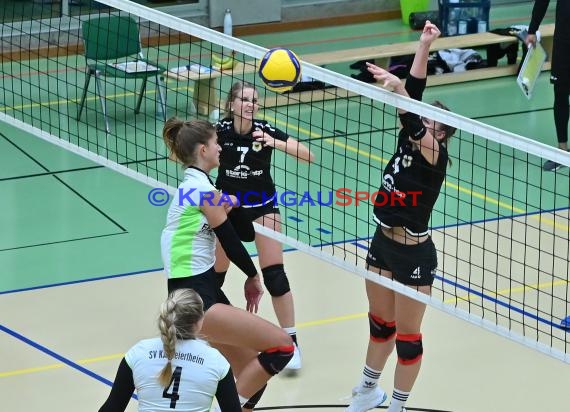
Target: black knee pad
(275,280)
(409,348)
(221,276)
(252,402)
(274,360)
(380,330)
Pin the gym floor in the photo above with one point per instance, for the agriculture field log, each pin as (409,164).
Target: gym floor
(81,274)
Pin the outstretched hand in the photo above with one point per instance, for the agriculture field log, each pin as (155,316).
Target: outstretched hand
(429,33)
(253,292)
(387,79)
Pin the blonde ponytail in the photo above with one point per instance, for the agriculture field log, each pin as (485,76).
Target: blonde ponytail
(168,337)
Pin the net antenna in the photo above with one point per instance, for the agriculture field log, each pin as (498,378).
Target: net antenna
(500,225)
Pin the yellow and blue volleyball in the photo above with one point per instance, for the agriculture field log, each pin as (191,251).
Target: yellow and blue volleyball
(280,69)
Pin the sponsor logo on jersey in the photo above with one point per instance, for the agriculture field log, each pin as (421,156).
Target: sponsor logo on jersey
(206,230)
(388,183)
(242,172)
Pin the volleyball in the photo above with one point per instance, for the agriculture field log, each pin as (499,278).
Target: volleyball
(280,69)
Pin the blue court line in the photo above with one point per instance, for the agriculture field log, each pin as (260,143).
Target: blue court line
(459,224)
(60,358)
(295,219)
(51,353)
(134,396)
(120,275)
(353,241)
(489,298)
(500,303)
(325,231)
(360,245)
(74,282)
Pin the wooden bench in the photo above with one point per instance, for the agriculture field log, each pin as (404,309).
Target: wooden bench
(382,54)
(206,85)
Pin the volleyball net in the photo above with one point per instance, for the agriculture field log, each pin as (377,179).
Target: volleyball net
(501,224)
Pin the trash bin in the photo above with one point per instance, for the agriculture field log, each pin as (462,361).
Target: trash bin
(411,6)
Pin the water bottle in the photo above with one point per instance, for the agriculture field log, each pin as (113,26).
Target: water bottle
(228,25)
(452,18)
(482,23)
(452,23)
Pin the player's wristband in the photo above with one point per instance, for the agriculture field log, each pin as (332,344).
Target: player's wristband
(415,87)
(413,125)
(234,248)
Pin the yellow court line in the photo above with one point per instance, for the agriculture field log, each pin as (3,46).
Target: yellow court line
(302,325)
(331,320)
(6,109)
(60,365)
(508,291)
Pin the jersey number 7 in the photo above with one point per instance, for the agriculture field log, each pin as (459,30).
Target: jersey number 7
(243,150)
(175,383)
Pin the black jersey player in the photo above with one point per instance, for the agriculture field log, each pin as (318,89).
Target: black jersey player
(401,248)
(245,171)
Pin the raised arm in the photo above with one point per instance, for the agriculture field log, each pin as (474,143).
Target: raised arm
(428,36)
(416,81)
(411,122)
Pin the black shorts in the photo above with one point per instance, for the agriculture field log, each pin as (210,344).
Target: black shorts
(412,265)
(257,211)
(205,284)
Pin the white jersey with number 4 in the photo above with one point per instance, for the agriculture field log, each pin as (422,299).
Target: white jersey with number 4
(197,368)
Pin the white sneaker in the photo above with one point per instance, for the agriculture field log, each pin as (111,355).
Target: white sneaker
(295,362)
(366,399)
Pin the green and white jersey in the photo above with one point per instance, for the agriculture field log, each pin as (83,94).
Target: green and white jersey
(188,242)
(196,370)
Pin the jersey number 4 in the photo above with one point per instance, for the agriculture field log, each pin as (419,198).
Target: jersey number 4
(174,383)
(396,165)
